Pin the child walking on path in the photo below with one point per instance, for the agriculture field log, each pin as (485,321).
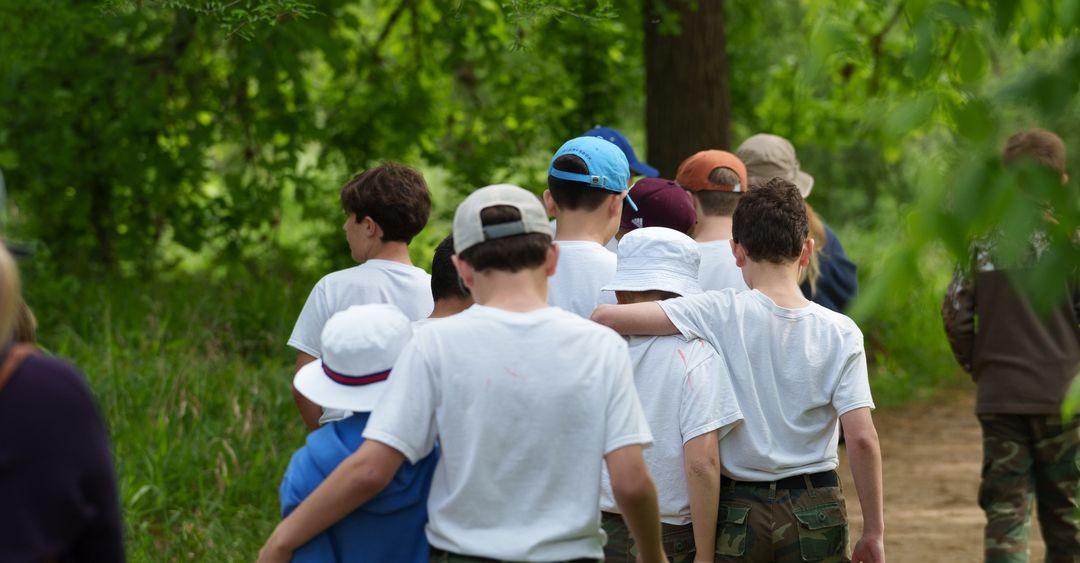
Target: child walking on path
(360,345)
(686,392)
(528,403)
(387,206)
(1022,361)
(796,368)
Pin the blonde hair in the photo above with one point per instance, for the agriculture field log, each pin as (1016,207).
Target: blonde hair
(11,302)
(812,272)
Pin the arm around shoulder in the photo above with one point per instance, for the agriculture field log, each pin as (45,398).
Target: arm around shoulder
(638,319)
(359,478)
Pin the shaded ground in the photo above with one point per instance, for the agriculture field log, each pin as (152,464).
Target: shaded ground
(932,457)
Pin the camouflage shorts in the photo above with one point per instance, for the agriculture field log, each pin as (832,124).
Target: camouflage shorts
(781,525)
(678,541)
(1025,456)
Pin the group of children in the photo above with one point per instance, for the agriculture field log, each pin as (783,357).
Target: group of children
(492,412)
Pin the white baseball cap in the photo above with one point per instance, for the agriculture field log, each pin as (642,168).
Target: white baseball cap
(359,346)
(469,231)
(657,258)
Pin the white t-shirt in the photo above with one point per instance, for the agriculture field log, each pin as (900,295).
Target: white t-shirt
(685,391)
(584,267)
(525,406)
(718,269)
(376,281)
(795,371)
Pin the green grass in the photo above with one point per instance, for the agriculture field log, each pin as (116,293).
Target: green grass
(192,375)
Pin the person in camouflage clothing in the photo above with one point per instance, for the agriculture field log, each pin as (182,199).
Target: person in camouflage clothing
(1022,363)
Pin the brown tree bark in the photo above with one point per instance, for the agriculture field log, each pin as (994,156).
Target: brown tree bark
(687,106)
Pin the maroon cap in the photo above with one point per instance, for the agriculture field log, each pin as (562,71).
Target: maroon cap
(660,203)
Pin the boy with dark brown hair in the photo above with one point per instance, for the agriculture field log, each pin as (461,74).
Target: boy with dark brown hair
(797,369)
(387,206)
(1023,361)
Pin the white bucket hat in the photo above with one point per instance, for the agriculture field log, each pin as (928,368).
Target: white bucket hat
(657,258)
(359,345)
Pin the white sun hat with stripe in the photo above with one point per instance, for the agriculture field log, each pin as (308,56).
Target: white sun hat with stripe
(360,346)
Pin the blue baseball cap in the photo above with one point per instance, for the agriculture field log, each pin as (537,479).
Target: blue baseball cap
(619,140)
(606,164)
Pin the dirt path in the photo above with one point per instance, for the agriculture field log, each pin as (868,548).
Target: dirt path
(932,456)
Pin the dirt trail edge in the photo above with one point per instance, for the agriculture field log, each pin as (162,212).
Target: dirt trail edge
(932,457)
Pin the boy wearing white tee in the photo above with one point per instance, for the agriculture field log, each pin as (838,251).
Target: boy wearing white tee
(797,368)
(587,181)
(716,179)
(528,403)
(686,393)
(387,206)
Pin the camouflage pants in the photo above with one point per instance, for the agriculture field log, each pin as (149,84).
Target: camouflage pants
(678,541)
(780,525)
(1021,453)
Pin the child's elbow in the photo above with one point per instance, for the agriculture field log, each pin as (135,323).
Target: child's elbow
(633,489)
(702,467)
(602,315)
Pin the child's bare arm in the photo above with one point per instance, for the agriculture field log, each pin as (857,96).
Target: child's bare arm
(635,495)
(864,455)
(638,319)
(309,411)
(359,478)
(701,456)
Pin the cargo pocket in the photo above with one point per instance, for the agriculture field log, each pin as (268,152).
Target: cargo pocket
(731,530)
(822,533)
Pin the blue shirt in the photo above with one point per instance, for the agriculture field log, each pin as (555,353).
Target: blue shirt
(389,527)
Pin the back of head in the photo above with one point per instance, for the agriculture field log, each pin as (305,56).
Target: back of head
(585,172)
(445,283)
(502,227)
(716,178)
(771,222)
(1039,145)
(395,196)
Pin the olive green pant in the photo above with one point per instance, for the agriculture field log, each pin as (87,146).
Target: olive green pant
(1022,455)
(781,525)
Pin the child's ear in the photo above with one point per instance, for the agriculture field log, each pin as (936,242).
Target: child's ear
(807,252)
(552,259)
(616,203)
(371,228)
(739,252)
(464,270)
(549,204)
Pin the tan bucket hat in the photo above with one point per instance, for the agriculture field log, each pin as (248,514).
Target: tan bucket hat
(768,156)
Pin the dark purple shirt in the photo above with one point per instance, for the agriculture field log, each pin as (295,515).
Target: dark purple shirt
(58,496)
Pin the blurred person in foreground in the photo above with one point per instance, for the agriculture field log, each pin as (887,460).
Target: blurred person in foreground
(57,484)
(830,279)
(1023,361)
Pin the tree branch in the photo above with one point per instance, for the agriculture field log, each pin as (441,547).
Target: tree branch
(875,47)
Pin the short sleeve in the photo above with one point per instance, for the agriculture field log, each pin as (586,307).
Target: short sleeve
(853,388)
(696,316)
(405,417)
(625,424)
(708,399)
(307,333)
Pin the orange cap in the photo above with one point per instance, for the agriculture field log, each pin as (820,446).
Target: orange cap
(693,173)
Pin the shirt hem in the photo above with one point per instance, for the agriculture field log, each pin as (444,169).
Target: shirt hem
(643,440)
(393,442)
(709,427)
(848,408)
(302,347)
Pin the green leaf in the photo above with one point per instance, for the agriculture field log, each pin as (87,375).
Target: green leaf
(1071,406)
(1004,11)
(972,62)
(909,115)
(975,120)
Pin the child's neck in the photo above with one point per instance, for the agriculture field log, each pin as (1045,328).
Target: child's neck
(593,226)
(449,306)
(392,251)
(779,282)
(712,228)
(519,292)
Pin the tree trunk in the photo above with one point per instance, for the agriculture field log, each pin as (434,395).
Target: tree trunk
(687,106)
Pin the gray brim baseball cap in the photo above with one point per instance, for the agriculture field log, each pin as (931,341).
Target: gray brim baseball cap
(469,231)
